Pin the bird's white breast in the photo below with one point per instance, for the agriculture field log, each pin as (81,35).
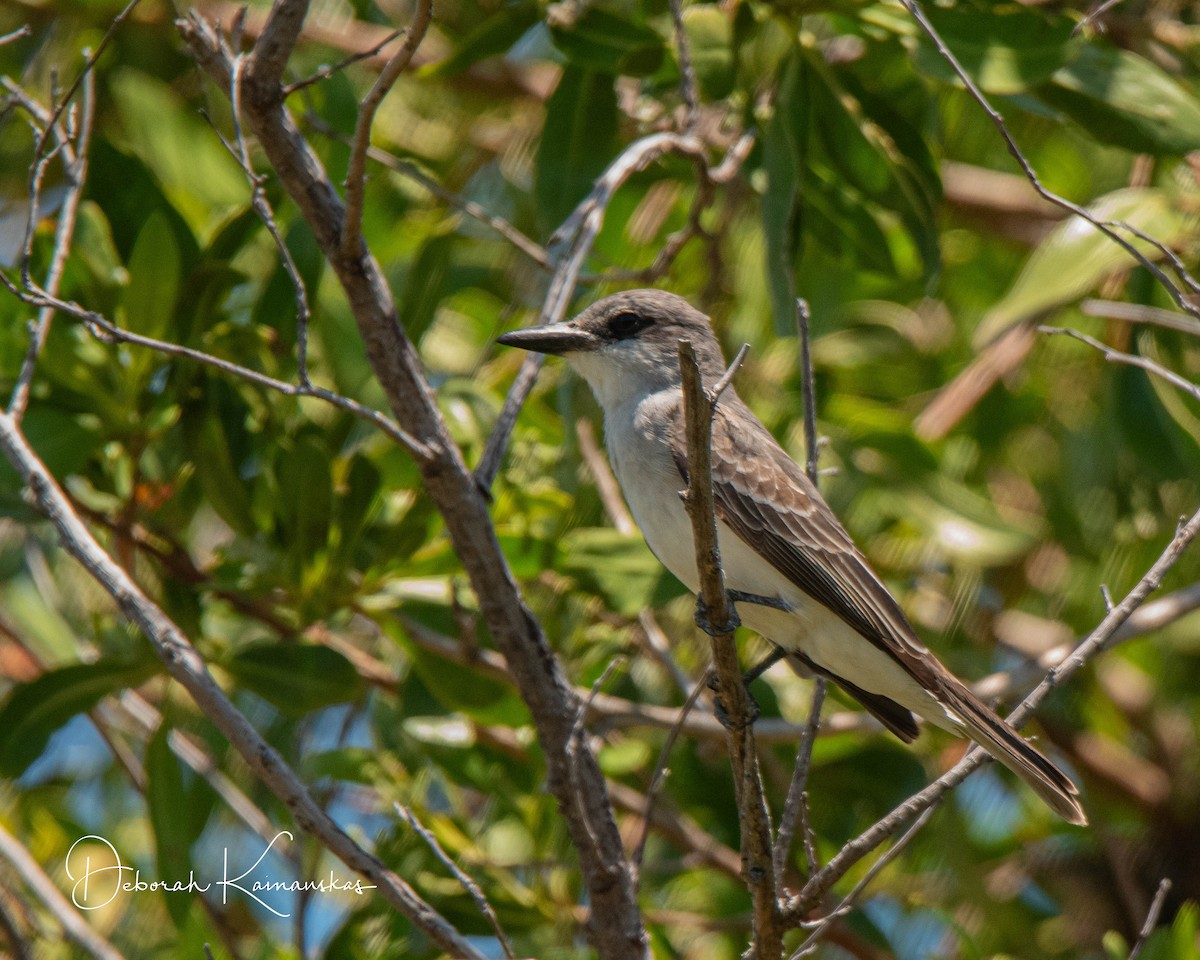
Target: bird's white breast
(635,433)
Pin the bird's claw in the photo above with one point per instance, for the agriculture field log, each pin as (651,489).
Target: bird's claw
(715,629)
(722,715)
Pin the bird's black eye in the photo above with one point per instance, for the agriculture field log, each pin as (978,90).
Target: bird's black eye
(627,324)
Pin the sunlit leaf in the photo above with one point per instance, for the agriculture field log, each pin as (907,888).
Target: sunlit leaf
(1075,256)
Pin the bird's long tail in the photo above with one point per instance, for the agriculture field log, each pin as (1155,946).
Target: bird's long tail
(1007,746)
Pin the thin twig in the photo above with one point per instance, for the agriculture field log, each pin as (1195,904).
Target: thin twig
(1109,230)
(1129,360)
(688,85)
(468,884)
(796,802)
(569,247)
(258,199)
(328,71)
(356,171)
(660,769)
(405,168)
(21,31)
(1140,313)
(1152,915)
(109,332)
(797,796)
(809,946)
(63,235)
(759,873)
(89,63)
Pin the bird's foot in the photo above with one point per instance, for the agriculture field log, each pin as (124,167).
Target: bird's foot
(722,714)
(765,664)
(715,629)
(740,596)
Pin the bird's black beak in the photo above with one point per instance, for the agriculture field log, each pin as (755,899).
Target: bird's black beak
(557,338)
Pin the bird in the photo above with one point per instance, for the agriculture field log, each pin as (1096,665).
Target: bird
(802,583)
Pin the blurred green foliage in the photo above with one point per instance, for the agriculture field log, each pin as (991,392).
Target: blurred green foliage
(294,545)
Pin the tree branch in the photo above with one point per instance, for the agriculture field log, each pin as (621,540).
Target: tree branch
(188,667)
(356,172)
(453,489)
(757,861)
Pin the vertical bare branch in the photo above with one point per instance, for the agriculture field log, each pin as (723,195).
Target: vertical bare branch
(76,168)
(757,860)
(1151,921)
(356,173)
(451,486)
(794,805)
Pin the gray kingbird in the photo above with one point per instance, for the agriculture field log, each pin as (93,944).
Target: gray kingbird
(778,538)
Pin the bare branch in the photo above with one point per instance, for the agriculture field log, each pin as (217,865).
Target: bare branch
(660,769)
(356,173)
(810,944)
(522,242)
(328,71)
(569,247)
(188,667)
(481,901)
(76,169)
(688,85)
(76,929)
(1152,915)
(107,331)
(796,802)
(759,874)
(89,63)
(1110,230)
(21,31)
(258,199)
(1129,360)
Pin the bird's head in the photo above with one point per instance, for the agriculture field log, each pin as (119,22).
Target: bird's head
(628,344)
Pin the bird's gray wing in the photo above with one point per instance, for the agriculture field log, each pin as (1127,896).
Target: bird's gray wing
(764,497)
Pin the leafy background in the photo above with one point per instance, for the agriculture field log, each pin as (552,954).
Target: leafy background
(294,543)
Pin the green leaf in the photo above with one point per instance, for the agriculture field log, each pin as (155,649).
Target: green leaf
(1004,52)
(34,711)
(212,430)
(578,139)
(305,478)
(1075,256)
(1121,99)
(167,803)
(62,442)
(784,151)
(606,43)
(154,274)
(491,37)
(617,567)
(296,678)
(710,33)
